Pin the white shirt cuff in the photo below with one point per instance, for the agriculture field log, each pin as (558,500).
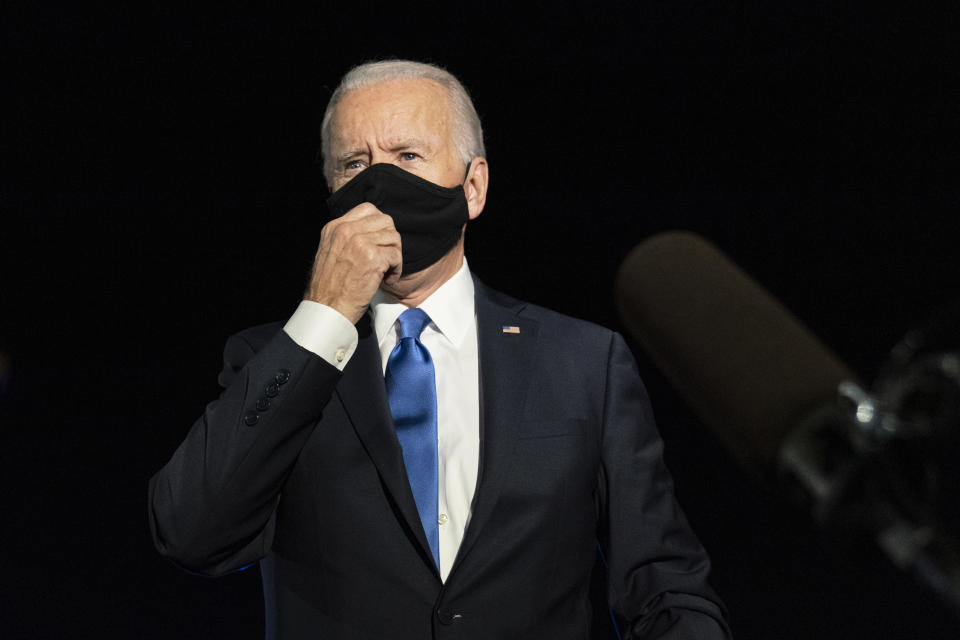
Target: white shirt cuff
(324,331)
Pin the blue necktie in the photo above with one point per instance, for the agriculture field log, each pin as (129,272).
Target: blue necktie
(412,391)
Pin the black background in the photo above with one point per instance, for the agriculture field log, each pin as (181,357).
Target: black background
(159,194)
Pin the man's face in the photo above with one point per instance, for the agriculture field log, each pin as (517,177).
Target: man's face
(405,122)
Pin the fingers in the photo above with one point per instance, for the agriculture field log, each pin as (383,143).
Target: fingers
(361,229)
(390,250)
(361,240)
(381,251)
(357,252)
(363,212)
(362,219)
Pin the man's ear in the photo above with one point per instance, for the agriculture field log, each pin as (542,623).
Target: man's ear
(475,186)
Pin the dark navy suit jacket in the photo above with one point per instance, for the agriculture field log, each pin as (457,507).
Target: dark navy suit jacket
(314,488)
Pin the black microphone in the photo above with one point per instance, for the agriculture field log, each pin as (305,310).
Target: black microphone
(881,463)
(741,360)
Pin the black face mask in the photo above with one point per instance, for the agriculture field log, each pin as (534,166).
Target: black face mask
(428,217)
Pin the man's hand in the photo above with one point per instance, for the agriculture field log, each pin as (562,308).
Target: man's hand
(357,252)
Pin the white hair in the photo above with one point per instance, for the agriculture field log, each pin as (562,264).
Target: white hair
(467,132)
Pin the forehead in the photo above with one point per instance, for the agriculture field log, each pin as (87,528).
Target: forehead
(394,109)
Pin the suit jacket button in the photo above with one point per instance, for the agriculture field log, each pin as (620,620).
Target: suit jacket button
(446,616)
(272,389)
(251,418)
(263,404)
(282,376)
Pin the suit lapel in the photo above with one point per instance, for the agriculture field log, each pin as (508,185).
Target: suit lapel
(506,365)
(364,397)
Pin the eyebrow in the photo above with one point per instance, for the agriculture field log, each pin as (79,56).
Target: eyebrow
(349,155)
(407,143)
(396,145)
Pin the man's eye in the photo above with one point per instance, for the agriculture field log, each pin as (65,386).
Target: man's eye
(408,156)
(353,164)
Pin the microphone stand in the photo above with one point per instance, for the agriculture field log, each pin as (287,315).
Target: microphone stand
(886,463)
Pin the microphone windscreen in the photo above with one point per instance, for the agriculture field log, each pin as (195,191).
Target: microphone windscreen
(740,359)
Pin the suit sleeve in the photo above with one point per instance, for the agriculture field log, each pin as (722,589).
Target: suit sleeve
(211,506)
(657,568)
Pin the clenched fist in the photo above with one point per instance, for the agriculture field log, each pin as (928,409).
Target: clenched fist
(357,252)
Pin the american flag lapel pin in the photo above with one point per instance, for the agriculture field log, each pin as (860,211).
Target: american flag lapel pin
(510,329)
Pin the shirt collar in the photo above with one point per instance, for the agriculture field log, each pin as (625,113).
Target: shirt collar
(451,308)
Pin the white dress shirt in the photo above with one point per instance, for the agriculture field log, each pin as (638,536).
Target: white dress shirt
(451,339)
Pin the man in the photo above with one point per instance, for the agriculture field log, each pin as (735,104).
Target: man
(413,455)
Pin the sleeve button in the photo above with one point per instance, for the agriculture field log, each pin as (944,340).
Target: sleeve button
(251,418)
(263,404)
(272,390)
(282,376)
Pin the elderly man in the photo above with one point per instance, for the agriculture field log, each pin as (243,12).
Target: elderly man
(413,455)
